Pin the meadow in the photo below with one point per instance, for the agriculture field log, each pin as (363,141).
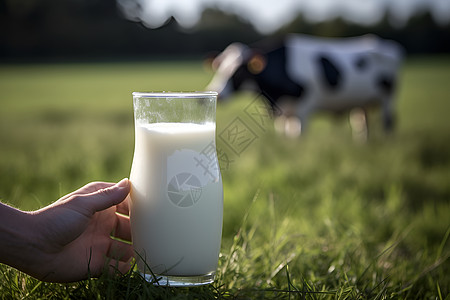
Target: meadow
(320,217)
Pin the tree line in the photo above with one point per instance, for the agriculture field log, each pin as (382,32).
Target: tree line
(95,29)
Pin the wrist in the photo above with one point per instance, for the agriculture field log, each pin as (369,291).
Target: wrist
(19,240)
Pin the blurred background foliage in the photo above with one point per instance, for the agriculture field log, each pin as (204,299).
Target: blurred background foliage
(97,29)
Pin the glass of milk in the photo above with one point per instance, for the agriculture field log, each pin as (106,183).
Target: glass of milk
(176,188)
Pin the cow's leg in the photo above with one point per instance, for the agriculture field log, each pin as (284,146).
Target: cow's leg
(279,124)
(388,115)
(303,112)
(288,123)
(292,127)
(358,124)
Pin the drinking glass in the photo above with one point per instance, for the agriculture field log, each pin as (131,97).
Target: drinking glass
(176,188)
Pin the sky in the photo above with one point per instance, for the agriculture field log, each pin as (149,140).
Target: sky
(269,15)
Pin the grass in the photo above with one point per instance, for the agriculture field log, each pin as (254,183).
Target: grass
(321,217)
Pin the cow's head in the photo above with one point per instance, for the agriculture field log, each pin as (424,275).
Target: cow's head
(236,66)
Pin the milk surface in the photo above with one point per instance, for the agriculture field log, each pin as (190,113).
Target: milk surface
(176,199)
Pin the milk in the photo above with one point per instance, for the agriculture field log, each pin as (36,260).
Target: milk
(176,199)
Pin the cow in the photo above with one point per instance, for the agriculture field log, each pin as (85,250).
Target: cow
(302,74)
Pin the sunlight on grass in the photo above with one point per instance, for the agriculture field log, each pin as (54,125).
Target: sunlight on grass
(320,217)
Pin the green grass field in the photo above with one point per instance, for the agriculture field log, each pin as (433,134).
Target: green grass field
(321,217)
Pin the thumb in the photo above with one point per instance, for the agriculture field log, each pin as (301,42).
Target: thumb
(107,197)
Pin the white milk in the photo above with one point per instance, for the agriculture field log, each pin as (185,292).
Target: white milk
(177,199)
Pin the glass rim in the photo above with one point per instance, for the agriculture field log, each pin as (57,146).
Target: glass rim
(165,94)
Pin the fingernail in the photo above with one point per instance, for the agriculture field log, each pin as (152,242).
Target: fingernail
(123,183)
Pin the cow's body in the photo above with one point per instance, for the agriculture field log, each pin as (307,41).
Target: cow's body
(304,74)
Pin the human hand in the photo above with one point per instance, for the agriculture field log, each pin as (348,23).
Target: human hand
(70,239)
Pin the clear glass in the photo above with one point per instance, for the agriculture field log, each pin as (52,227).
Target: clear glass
(176,206)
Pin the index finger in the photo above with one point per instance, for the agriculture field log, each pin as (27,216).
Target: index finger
(89,188)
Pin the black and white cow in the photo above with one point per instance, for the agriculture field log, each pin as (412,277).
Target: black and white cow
(302,74)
